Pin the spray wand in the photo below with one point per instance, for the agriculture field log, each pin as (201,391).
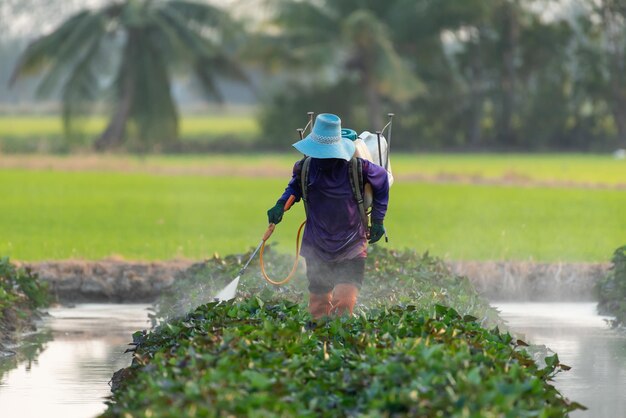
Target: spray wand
(230,290)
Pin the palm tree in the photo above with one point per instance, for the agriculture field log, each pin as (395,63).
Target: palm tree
(353,37)
(123,54)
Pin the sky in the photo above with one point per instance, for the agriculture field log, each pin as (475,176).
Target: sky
(31,18)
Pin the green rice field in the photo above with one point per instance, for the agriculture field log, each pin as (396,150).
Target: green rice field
(549,170)
(30,126)
(44,134)
(192,207)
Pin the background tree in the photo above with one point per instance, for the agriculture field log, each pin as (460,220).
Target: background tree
(460,74)
(467,42)
(604,49)
(124,54)
(344,40)
(501,55)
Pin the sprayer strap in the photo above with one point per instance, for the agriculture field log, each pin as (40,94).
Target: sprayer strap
(304,181)
(355,170)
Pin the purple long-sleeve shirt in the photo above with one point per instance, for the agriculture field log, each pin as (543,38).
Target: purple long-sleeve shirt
(334,230)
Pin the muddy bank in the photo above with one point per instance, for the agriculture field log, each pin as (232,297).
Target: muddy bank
(122,281)
(14,323)
(107,280)
(526,281)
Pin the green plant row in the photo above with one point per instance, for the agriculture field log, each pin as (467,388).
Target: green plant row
(611,289)
(403,354)
(266,358)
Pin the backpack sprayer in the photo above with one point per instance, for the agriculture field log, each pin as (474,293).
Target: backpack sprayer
(371,147)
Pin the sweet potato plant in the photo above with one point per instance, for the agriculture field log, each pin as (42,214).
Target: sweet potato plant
(611,289)
(21,294)
(403,354)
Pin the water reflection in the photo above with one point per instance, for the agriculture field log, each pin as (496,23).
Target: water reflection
(70,377)
(582,340)
(29,351)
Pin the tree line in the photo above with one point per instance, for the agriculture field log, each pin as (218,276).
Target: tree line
(460,74)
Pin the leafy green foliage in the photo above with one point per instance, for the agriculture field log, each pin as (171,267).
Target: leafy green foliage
(21,294)
(612,289)
(265,357)
(403,354)
(20,288)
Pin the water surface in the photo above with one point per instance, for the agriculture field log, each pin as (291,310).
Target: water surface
(70,376)
(583,341)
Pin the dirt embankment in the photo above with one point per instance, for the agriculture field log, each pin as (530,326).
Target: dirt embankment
(107,280)
(14,322)
(124,281)
(527,281)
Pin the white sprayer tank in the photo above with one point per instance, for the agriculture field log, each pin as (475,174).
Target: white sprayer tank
(367,148)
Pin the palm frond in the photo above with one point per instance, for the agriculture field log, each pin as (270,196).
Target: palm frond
(203,13)
(305,21)
(395,78)
(208,81)
(179,35)
(293,13)
(305,34)
(209,59)
(44,49)
(87,33)
(157,35)
(80,91)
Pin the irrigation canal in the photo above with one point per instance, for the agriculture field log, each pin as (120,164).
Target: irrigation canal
(582,340)
(69,375)
(69,378)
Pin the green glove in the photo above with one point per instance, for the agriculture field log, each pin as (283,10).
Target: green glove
(377,230)
(275,214)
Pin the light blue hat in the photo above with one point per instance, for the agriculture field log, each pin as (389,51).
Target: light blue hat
(325,140)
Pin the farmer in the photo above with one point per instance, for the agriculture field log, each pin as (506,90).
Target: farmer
(335,238)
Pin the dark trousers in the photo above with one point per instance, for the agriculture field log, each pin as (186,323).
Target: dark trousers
(324,276)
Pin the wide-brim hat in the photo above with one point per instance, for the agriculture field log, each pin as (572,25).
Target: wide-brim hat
(325,140)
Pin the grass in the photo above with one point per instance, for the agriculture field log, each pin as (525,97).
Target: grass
(463,222)
(44,134)
(191,126)
(584,169)
(91,215)
(558,170)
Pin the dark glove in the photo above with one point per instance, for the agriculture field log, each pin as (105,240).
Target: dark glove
(275,214)
(377,230)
